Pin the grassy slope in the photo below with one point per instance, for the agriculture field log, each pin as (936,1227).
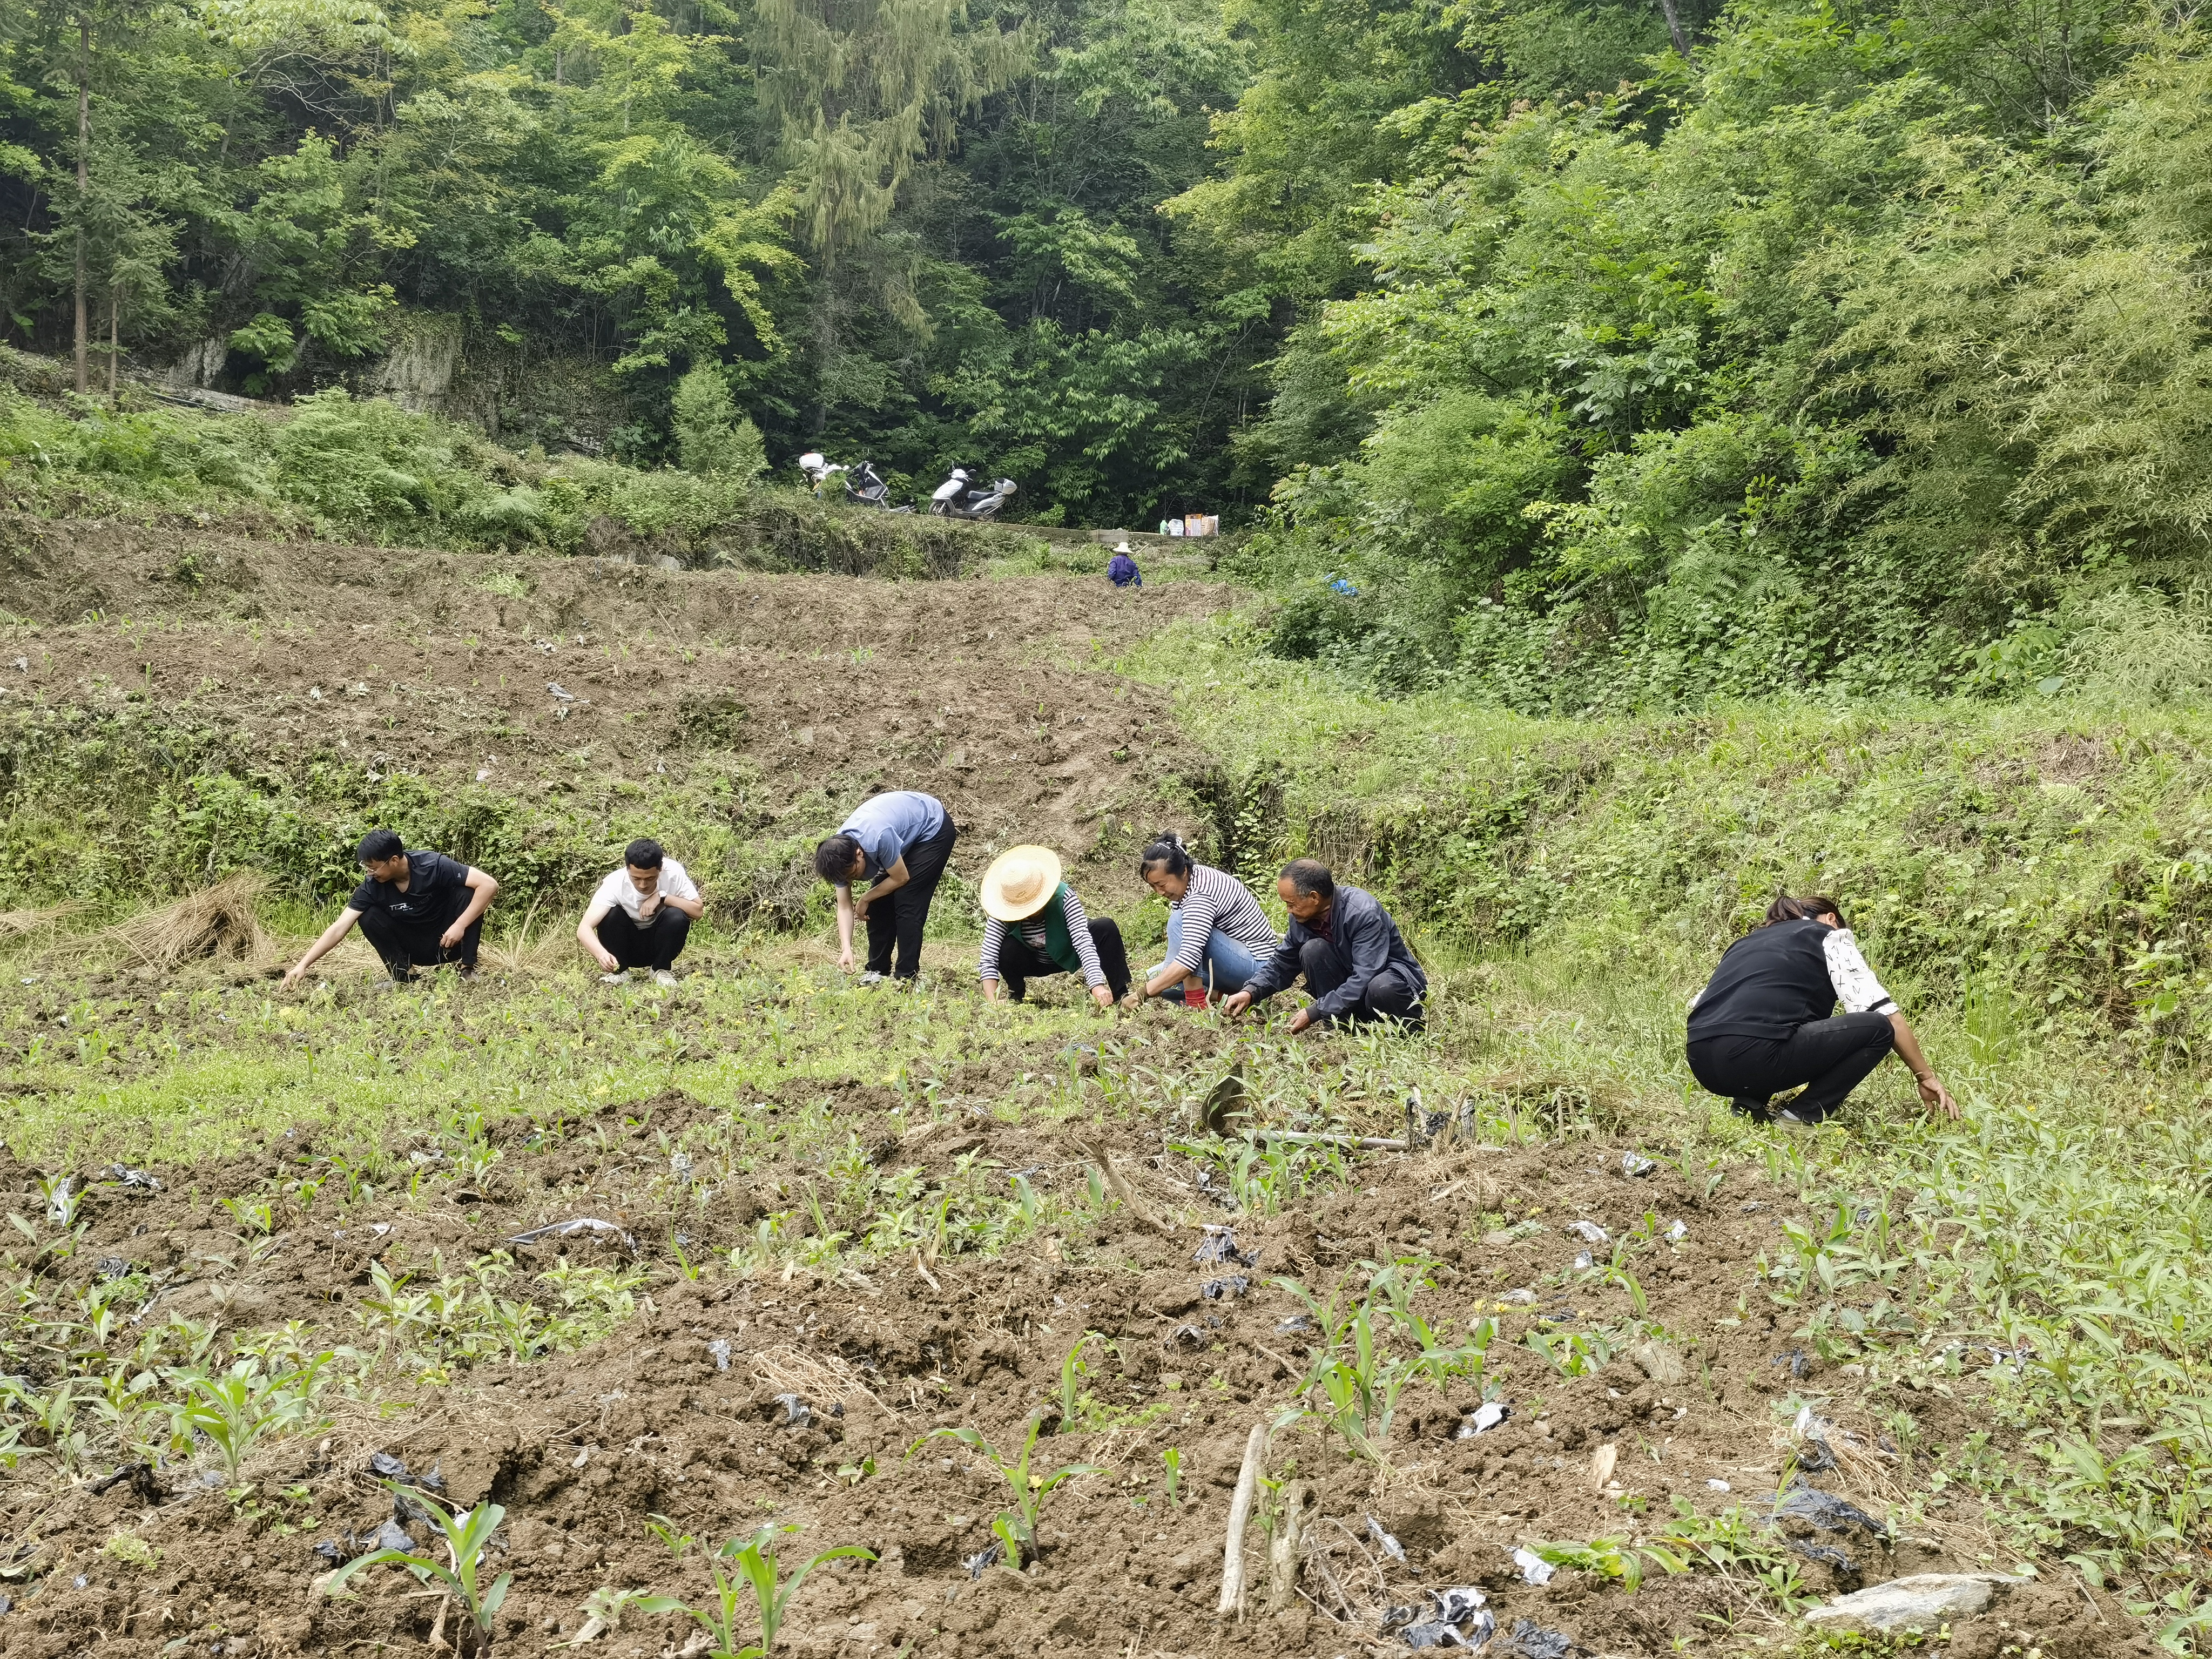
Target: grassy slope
(2032,879)
(2009,868)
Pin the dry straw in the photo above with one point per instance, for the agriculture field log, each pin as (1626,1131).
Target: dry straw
(217,923)
(18,924)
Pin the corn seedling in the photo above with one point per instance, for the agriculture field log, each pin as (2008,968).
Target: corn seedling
(236,1411)
(1614,1558)
(1017,1528)
(257,1216)
(1072,1370)
(759,1571)
(603,1612)
(465,1533)
(1172,1457)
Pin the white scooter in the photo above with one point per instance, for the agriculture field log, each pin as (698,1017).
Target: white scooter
(960,497)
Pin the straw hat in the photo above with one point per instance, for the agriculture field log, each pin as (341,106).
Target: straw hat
(1123,547)
(1020,881)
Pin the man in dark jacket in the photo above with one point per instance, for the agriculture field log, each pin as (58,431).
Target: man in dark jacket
(1344,942)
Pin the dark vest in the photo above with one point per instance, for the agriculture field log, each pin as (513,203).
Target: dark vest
(1058,943)
(1771,980)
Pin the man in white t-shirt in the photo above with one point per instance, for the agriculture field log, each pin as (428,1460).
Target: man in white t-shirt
(641,916)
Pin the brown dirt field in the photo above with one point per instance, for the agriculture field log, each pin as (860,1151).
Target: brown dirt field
(678,1416)
(977,690)
(691,1412)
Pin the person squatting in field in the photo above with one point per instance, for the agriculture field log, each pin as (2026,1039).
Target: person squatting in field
(419,909)
(1035,925)
(1217,933)
(1353,959)
(642,914)
(899,841)
(1766,1022)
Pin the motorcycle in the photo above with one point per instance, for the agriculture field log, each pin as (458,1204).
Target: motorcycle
(864,486)
(960,497)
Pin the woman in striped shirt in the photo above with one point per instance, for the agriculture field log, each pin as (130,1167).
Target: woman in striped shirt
(1218,935)
(1033,925)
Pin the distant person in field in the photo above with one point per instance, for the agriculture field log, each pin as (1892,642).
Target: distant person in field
(641,916)
(1217,933)
(900,842)
(1766,1021)
(1034,926)
(419,911)
(1122,569)
(1348,950)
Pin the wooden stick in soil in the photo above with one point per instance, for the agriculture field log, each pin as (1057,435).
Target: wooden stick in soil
(1283,1553)
(1116,1183)
(1239,1516)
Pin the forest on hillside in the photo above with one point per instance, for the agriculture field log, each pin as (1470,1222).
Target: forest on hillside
(1569,354)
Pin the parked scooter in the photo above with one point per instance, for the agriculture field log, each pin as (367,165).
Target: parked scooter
(864,485)
(960,497)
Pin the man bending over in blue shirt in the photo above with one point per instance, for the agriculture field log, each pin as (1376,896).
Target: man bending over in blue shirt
(900,842)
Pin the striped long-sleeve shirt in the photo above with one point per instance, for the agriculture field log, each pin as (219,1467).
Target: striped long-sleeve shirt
(1032,932)
(1217,899)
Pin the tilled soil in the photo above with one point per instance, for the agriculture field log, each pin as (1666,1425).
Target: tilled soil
(513,673)
(808,1398)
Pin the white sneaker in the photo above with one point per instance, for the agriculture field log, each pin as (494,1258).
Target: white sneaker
(662,976)
(618,977)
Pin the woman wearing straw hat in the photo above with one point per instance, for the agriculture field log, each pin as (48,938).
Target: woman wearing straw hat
(1122,568)
(1034,926)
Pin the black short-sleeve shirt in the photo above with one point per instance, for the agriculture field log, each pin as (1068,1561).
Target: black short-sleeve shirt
(432,879)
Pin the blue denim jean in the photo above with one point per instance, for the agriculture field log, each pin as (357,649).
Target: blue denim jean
(1226,967)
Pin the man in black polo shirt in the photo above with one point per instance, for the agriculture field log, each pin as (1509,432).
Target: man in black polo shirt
(418,910)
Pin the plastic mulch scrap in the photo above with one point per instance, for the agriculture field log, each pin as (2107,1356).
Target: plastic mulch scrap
(1826,1554)
(131,1179)
(1483,1419)
(581,1224)
(393,1536)
(797,1413)
(1297,1325)
(330,1552)
(1826,1511)
(1231,1285)
(1220,1249)
(1635,1163)
(1530,1640)
(720,1350)
(1677,1231)
(1590,1232)
(1535,1569)
(1460,1621)
(1391,1546)
(980,1559)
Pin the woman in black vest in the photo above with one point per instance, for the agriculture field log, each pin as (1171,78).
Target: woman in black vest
(1034,926)
(1766,1021)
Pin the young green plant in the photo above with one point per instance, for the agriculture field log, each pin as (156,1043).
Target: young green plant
(465,1533)
(759,1571)
(1017,1528)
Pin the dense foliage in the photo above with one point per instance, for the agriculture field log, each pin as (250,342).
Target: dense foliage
(1570,354)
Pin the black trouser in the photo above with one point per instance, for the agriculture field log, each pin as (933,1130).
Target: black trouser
(1831,1057)
(407,943)
(900,918)
(1389,995)
(1018,963)
(656,944)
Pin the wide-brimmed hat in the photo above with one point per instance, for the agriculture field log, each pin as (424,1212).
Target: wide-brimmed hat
(1123,547)
(1020,881)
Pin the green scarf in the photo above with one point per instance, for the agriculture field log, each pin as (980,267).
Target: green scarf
(1059,944)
